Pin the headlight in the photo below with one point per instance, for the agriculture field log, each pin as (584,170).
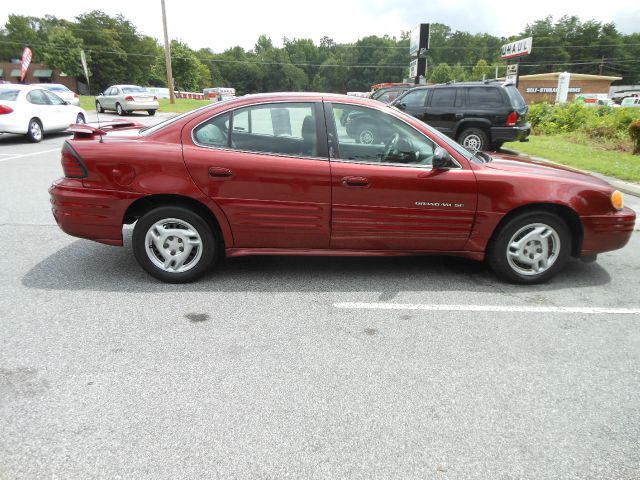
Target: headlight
(617,200)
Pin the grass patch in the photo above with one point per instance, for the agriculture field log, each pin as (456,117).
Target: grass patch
(578,152)
(181,105)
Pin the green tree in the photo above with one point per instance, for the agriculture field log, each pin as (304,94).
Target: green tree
(441,74)
(188,71)
(63,52)
(482,71)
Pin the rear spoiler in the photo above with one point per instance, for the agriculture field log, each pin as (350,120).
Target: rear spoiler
(86,131)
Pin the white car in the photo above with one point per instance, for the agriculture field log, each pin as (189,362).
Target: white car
(33,111)
(125,99)
(62,91)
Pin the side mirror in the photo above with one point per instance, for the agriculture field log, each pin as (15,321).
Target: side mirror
(401,105)
(441,159)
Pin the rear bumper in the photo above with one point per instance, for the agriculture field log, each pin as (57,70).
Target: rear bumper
(140,105)
(510,134)
(87,213)
(603,233)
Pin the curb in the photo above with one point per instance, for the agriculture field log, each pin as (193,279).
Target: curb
(625,187)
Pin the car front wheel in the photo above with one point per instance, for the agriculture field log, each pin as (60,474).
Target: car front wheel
(99,108)
(80,119)
(530,248)
(174,244)
(474,139)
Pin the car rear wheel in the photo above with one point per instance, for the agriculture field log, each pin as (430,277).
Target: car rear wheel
(80,119)
(34,130)
(530,248)
(174,244)
(99,108)
(151,112)
(474,139)
(119,109)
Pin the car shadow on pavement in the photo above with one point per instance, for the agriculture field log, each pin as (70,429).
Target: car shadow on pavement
(14,139)
(85,265)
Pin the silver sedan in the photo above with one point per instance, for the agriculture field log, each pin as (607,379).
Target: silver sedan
(124,99)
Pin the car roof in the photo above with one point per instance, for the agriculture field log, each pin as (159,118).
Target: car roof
(122,86)
(18,86)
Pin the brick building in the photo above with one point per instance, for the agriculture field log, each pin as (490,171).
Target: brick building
(543,86)
(36,73)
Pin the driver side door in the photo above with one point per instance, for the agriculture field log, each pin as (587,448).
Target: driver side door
(386,196)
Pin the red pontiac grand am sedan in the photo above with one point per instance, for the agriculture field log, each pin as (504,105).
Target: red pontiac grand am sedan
(277,174)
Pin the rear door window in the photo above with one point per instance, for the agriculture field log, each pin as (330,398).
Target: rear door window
(443,97)
(37,97)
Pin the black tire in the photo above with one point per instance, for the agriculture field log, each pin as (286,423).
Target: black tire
(99,108)
(80,119)
(119,109)
(474,139)
(367,135)
(495,146)
(179,219)
(511,267)
(35,131)
(151,112)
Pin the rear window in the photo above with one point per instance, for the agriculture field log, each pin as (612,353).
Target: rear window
(10,95)
(484,97)
(56,88)
(514,95)
(134,90)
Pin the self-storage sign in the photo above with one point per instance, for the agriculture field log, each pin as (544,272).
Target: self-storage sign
(517,48)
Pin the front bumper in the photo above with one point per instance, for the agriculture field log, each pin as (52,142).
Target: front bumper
(603,233)
(511,134)
(87,213)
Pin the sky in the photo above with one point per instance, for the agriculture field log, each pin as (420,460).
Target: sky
(219,25)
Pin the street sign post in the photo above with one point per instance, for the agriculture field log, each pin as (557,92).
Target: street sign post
(418,46)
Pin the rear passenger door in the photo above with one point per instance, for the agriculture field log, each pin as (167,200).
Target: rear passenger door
(267,167)
(445,109)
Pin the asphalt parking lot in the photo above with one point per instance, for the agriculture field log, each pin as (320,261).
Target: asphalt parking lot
(325,368)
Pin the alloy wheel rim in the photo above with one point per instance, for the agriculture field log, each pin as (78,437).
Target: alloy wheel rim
(533,249)
(173,245)
(36,131)
(366,137)
(472,142)
(119,110)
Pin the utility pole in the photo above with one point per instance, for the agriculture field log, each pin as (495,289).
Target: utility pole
(167,55)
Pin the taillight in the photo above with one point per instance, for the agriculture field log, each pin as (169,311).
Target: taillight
(129,98)
(71,163)
(512,119)
(76,95)
(4,109)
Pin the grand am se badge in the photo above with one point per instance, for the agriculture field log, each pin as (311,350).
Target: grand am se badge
(439,204)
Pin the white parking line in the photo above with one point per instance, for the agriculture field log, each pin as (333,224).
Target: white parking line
(30,154)
(486,308)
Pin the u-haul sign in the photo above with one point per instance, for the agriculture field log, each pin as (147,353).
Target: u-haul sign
(517,48)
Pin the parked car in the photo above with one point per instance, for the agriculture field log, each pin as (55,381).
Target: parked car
(389,94)
(595,100)
(478,115)
(125,99)
(62,91)
(277,174)
(631,102)
(34,111)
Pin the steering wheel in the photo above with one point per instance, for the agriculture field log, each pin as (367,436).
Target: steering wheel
(390,145)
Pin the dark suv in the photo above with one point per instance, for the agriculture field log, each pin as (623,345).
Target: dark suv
(478,115)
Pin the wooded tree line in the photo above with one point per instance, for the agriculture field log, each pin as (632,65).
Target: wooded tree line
(118,53)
